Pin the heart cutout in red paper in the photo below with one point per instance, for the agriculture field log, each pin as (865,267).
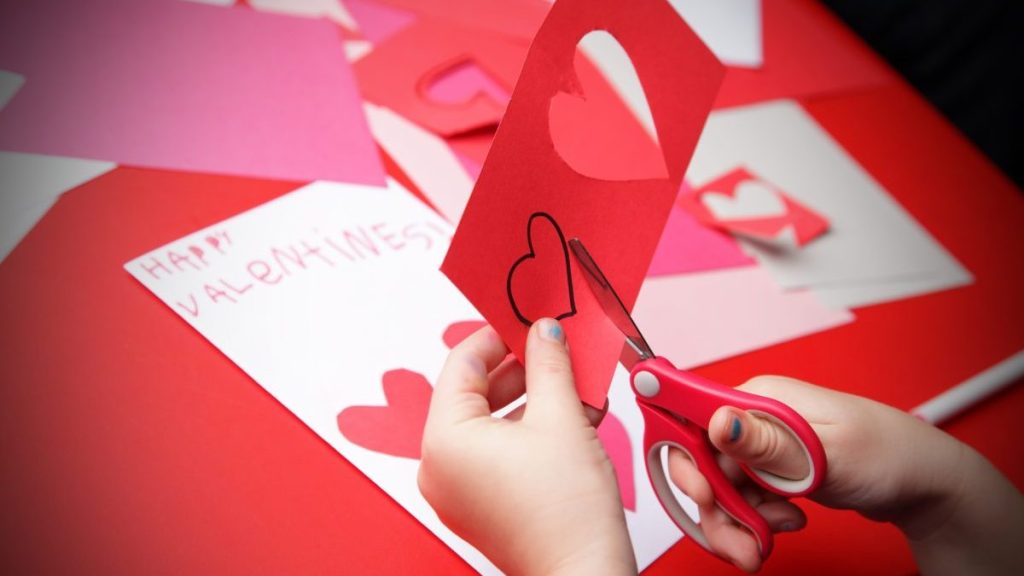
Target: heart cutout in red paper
(397,427)
(616,444)
(541,274)
(589,143)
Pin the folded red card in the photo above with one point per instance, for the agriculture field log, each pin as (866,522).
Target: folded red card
(561,168)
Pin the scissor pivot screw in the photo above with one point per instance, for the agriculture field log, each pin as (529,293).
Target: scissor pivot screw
(646,384)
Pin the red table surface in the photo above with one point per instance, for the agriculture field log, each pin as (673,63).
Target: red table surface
(131,445)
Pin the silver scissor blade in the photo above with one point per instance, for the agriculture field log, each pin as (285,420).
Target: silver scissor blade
(610,301)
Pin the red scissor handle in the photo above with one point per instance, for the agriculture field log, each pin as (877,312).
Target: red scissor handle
(692,398)
(661,430)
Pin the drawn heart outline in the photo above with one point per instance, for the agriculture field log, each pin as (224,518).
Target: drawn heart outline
(531,257)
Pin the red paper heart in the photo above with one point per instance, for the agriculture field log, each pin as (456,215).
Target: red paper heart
(616,444)
(591,143)
(539,283)
(397,427)
(459,331)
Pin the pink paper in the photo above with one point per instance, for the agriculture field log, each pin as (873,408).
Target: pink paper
(701,318)
(184,86)
(378,22)
(688,246)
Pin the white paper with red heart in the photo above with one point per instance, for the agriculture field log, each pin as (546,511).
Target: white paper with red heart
(330,298)
(746,205)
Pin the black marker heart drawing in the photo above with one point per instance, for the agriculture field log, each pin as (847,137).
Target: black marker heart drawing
(544,269)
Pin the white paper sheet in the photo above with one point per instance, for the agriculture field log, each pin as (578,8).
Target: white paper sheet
(730,28)
(320,335)
(425,158)
(874,250)
(30,184)
(699,318)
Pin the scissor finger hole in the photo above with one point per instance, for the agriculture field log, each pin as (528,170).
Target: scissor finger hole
(780,483)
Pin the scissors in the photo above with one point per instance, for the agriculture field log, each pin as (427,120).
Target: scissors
(677,407)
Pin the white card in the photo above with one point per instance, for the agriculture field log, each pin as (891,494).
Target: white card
(730,28)
(30,184)
(320,293)
(874,250)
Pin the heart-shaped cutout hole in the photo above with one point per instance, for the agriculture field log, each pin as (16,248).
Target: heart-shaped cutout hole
(539,283)
(585,135)
(750,200)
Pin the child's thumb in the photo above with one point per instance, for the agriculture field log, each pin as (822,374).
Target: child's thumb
(758,443)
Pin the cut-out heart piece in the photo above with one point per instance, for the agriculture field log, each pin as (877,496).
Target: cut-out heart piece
(539,283)
(591,144)
(397,427)
(459,331)
(616,444)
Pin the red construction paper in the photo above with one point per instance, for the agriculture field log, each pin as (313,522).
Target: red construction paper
(619,220)
(516,18)
(807,52)
(403,71)
(744,204)
(397,428)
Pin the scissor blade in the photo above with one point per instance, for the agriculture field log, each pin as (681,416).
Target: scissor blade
(611,303)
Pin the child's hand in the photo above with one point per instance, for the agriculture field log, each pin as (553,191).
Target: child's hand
(534,491)
(960,515)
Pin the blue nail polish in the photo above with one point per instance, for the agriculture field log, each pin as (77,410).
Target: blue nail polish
(734,432)
(555,332)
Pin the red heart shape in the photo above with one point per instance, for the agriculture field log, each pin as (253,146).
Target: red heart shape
(459,331)
(542,273)
(616,444)
(396,428)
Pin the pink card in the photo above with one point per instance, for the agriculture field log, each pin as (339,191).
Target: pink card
(747,205)
(687,246)
(701,318)
(184,86)
(561,166)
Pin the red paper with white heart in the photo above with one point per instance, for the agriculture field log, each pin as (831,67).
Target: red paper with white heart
(744,204)
(569,148)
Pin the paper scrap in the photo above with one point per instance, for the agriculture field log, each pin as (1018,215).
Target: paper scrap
(556,122)
(730,28)
(872,238)
(31,184)
(688,246)
(426,160)
(749,206)
(403,73)
(242,92)
(700,318)
(377,21)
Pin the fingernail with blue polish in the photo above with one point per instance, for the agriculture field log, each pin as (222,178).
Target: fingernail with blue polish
(552,330)
(734,429)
